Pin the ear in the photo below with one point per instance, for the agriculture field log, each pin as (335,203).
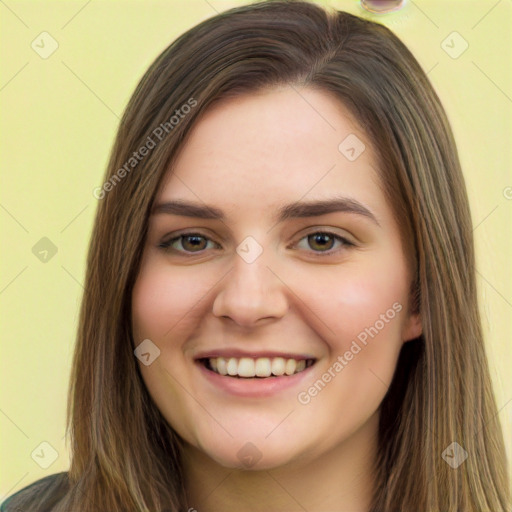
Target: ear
(412,327)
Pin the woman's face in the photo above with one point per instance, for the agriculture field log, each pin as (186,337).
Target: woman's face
(251,267)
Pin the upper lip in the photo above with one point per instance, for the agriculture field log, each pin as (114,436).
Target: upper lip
(237,353)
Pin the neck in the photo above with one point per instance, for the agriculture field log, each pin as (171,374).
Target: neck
(341,480)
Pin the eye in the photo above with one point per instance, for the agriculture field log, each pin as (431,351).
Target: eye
(322,243)
(190,243)
(325,240)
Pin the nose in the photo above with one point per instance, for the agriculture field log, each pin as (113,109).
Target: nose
(250,293)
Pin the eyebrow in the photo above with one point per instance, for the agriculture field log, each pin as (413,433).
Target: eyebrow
(290,211)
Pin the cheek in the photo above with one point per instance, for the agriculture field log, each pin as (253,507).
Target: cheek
(364,314)
(367,300)
(164,302)
(166,308)
(354,298)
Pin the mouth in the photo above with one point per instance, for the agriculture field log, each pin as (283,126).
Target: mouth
(256,368)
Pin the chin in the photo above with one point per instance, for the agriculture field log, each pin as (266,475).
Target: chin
(251,458)
(251,453)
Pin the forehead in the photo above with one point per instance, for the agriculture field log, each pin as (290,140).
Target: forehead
(267,148)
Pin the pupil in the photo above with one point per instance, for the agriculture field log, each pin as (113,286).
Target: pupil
(321,236)
(196,240)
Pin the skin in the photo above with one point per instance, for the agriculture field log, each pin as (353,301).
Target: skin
(249,156)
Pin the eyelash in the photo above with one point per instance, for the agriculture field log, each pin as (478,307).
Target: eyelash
(167,245)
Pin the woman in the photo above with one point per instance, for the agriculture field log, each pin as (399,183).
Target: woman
(280,309)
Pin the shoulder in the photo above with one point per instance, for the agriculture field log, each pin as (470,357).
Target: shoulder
(48,490)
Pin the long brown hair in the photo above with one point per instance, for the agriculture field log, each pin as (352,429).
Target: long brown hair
(124,454)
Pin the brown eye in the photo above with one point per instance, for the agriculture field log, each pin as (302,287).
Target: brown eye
(193,242)
(189,242)
(323,243)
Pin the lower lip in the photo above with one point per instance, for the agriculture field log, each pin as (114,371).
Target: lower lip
(256,387)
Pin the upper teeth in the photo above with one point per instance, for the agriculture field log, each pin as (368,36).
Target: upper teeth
(261,367)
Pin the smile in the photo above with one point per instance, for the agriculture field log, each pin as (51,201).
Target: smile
(261,367)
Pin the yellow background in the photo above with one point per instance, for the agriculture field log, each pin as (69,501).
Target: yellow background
(59,117)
